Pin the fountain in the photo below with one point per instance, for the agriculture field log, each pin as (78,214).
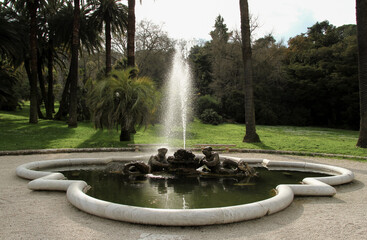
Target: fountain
(177,99)
(188,167)
(45,175)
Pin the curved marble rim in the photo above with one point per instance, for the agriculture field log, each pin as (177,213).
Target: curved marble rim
(321,186)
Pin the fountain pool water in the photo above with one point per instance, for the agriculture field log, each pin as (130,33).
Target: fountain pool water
(170,191)
(177,99)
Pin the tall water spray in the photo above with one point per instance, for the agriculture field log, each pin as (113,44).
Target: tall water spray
(177,99)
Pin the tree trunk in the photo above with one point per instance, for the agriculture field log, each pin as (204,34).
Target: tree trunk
(64,103)
(50,78)
(73,113)
(29,75)
(39,103)
(32,9)
(41,81)
(251,135)
(361,6)
(125,135)
(27,69)
(108,45)
(131,34)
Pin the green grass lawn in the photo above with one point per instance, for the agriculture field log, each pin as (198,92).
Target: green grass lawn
(17,134)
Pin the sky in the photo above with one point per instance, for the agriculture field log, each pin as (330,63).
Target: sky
(194,19)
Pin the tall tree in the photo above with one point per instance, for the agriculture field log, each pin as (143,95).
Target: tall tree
(30,59)
(50,13)
(89,39)
(114,16)
(153,50)
(131,33)
(361,6)
(202,69)
(269,81)
(219,56)
(251,135)
(73,114)
(32,6)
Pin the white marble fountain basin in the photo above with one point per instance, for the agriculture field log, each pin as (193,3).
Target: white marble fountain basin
(321,186)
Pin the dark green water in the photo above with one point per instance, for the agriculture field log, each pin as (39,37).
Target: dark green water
(184,192)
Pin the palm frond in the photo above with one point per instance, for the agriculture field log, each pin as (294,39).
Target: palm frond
(119,99)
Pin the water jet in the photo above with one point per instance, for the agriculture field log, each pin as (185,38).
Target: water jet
(177,98)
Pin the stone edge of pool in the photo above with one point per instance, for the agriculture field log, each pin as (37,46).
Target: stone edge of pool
(320,186)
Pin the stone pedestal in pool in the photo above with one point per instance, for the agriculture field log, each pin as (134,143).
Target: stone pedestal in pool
(184,162)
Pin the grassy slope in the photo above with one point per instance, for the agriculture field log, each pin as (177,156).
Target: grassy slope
(16,133)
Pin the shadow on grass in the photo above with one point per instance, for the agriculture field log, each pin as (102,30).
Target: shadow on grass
(260,145)
(105,139)
(19,134)
(24,112)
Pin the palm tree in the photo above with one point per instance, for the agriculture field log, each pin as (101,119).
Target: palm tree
(62,24)
(114,16)
(131,33)
(11,55)
(32,7)
(120,100)
(11,36)
(251,135)
(361,6)
(48,49)
(74,68)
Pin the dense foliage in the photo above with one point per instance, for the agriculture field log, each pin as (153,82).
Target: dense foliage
(9,98)
(312,81)
(322,76)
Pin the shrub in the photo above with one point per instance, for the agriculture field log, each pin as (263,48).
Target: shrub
(120,100)
(233,106)
(206,102)
(211,117)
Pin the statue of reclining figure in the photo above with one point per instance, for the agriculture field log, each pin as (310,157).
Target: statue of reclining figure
(159,162)
(212,161)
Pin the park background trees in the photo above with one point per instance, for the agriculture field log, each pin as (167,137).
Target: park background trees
(310,80)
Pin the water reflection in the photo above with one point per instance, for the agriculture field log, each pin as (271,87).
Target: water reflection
(168,191)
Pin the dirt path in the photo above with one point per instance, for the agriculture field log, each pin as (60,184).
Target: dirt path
(26,214)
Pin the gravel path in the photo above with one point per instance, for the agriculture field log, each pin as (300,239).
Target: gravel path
(26,214)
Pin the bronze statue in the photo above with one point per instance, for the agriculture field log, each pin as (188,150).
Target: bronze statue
(131,168)
(136,167)
(184,162)
(159,162)
(212,161)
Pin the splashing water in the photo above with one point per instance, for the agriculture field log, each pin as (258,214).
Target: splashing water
(177,99)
